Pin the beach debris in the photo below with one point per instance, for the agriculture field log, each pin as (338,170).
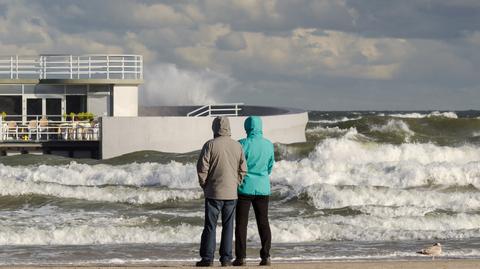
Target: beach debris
(434,250)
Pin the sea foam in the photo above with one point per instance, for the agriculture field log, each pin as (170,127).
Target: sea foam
(120,230)
(335,161)
(395,127)
(451,115)
(390,202)
(346,161)
(393,192)
(343,119)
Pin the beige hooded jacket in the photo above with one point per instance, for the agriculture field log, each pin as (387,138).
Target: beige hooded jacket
(221,165)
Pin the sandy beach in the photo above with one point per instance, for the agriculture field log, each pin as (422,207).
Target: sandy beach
(427,264)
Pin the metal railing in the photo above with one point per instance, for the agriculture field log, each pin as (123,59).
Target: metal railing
(215,110)
(41,128)
(72,67)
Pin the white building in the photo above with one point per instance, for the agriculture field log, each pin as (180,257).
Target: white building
(105,85)
(39,93)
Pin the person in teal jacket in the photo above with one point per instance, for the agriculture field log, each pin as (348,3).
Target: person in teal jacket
(254,190)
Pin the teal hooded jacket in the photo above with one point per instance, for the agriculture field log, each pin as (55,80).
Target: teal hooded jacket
(260,159)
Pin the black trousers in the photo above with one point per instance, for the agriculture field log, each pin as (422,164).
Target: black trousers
(260,207)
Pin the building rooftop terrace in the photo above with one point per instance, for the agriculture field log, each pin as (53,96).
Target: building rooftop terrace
(55,68)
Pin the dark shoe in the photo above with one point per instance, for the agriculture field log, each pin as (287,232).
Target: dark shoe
(226,263)
(239,262)
(266,262)
(204,263)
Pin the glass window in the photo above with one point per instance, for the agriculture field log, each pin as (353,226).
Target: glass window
(76,103)
(34,108)
(12,105)
(53,108)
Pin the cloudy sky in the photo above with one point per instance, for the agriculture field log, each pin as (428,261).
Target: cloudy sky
(324,55)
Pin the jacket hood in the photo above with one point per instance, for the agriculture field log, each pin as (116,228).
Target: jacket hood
(253,126)
(221,127)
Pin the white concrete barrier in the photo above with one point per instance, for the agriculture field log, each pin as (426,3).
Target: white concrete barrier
(121,135)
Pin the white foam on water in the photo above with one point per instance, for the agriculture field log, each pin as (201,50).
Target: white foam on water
(373,200)
(179,213)
(327,130)
(395,212)
(461,253)
(306,258)
(90,234)
(343,119)
(335,161)
(396,127)
(408,115)
(451,115)
(54,181)
(346,161)
(127,183)
(172,175)
(372,228)
(397,188)
(379,255)
(284,230)
(93,193)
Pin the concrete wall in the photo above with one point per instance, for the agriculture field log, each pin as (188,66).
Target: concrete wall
(121,135)
(125,101)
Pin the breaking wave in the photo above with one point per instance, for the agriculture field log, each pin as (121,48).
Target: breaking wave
(345,161)
(451,115)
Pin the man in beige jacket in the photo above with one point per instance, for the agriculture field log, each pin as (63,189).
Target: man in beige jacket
(221,167)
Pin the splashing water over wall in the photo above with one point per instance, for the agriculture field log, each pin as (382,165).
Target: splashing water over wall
(166,84)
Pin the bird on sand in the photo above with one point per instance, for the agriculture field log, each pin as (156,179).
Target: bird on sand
(433,251)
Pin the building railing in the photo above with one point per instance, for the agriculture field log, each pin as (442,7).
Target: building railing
(228,110)
(72,67)
(42,128)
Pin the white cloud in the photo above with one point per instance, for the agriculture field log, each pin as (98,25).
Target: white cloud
(303,54)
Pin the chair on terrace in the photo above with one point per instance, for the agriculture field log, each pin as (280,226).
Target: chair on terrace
(4,130)
(43,126)
(12,129)
(32,129)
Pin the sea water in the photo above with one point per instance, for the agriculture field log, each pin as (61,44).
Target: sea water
(365,185)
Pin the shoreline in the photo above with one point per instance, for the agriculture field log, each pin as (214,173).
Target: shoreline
(353,264)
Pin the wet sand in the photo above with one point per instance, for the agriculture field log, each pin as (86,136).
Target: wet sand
(427,264)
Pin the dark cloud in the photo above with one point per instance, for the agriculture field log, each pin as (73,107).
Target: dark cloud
(415,18)
(378,18)
(278,16)
(440,19)
(3,9)
(231,41)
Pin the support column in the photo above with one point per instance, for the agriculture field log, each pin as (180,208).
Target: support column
(125,101)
